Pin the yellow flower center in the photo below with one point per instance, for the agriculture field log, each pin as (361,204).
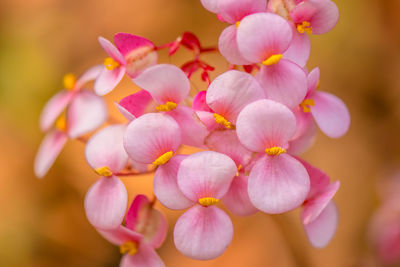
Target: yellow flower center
(238,169)
(69,81)
(110,63)
(208,201)
(103,171)
(61,123)
(274,59)
(275,151)
(164,158)
(167,106)
(221,120)
(305,26)
(307,104)
(237,24)
(129,247)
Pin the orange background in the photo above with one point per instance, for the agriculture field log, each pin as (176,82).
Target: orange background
(43,221)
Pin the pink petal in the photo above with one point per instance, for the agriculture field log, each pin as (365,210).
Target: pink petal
(233,10)
(108,80)
(305,134)
(106,149)
(207,118)
(203,233)
(278,184)
(228,143)
(127,43)
(237,198)
(210,5)
(199,102)
(53,109)
(228,47)
(230,92)
(299,49)
(85,113)
(90,75)
(313,80)
(319,180)
(105,203)
(145,257)
(143,218)
(285,82)
(150,136)
(331,114)
(112,51)
(124,112)
(49,150)
(120,235)
(165,83)
(137,104)
(193,131)
(206,174)
(165,185)
(262,35)
(321,230)
(265,123)
(139,167)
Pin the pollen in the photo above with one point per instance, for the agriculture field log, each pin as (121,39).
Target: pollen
(61,123)
(103,171)
(238,169)
(111,64)
(275,151)
(274,59)
(305,26)
(237,24)
(69,81)
(307,104)
(221,120)
(129,247)
(208,201)
(164,158)
(167,106)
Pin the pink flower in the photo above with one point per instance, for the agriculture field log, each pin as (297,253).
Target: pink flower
(277,182)
(131,55)
(319,213)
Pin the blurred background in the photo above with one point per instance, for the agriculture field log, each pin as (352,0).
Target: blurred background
(43,221)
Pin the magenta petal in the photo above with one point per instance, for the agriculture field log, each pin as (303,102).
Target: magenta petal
(150,136)
(313,80)
(285,82)
(108,80)
(165,83)
(203,233)
(86,113)
(265,123)
(193,131)
(262,35)
(299,49)
(145,257)
(321,230)
(331,114)
(233,10)
(278,184)
(105,203)
(127,43)
(237,198)
(112,51)
(120,235)
(165,185)
(305,134)
(49,150)
(228,47)
(53,109)
(106,149)
(206,174)
(199,102)
(89,75)
(230,92)
(137,104)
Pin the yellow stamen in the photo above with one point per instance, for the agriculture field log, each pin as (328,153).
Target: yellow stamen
(208,201)
(61,123)
(274,59)
(129,247)
(221,120)
(103,171)
(167,106)
(237,24)
(111,64)
(164,158)
(238,169)
(69,81)
(305,26)
(307,104)
(275,151)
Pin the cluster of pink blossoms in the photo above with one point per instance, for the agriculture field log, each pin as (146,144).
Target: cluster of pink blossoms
(250,124)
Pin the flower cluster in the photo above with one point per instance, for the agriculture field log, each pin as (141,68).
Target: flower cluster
(250,123)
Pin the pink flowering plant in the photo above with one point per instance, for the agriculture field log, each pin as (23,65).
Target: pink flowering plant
(251,123)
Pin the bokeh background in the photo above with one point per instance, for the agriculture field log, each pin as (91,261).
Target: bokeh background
(43,222)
